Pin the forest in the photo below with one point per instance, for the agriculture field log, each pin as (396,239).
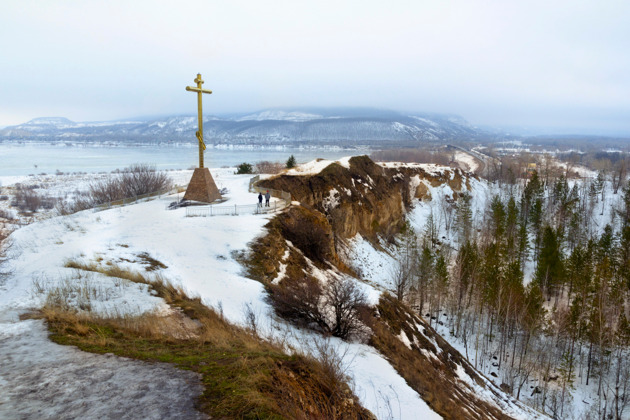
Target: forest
(535,288)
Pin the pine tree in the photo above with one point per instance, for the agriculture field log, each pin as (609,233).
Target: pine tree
(464,217)
(291,162)
(497,218)
(550,269)
(511,230)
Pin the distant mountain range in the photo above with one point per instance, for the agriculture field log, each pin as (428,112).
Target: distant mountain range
(350,126)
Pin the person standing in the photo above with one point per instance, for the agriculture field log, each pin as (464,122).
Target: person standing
(267,197)
(259,199)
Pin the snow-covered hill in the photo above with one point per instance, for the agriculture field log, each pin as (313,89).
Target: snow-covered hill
(363,126)
(200,254)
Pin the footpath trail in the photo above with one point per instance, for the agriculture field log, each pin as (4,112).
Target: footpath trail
(43,380)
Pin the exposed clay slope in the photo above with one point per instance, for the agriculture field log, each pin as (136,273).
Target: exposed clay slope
(365,198)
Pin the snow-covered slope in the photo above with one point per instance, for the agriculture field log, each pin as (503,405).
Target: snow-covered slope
(200,255)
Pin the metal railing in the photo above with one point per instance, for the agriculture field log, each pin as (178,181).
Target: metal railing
(235,210)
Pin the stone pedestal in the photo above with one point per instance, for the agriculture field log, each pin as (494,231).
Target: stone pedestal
(202,187)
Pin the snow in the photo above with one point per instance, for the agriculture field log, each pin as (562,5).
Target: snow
(430,168)
(317,165)
(345,161)
(471,163)
(367,259)
(282,271)
(383,391)
(8,180)
(404,339)
(332,200)
(200,255)
(310,168)
(413,184)
(374,267)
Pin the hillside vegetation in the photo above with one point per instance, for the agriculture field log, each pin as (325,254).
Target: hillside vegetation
(298,262)
(244,376)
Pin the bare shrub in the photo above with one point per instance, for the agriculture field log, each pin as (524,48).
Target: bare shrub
(267,167)
(335,308)
(402,277)
(300,301)
(26,199)
(136,180)
(140,179)
(4,235)
(334,361)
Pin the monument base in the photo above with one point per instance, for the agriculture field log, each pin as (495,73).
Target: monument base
(202,187)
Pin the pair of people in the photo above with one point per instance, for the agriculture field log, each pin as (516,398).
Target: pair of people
(267,198)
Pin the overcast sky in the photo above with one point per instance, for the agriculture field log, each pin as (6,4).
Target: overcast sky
(562,65)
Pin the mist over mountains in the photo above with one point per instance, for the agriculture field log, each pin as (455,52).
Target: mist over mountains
(350,126)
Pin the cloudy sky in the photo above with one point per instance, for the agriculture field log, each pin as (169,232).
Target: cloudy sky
(557,65)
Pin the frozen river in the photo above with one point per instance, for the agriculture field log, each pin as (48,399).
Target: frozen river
(36,158)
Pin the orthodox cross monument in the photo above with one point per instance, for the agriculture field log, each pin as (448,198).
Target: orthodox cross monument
(202,187)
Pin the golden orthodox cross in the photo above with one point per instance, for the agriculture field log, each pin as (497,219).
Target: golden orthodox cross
(199,134)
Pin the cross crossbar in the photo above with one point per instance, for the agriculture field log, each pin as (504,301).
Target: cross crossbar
(192,89)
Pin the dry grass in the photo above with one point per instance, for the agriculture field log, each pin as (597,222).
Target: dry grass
(243,376)
(434,378)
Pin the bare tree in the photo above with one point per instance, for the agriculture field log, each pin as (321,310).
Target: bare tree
(402,277)
(346,300)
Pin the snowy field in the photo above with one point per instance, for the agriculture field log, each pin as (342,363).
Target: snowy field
(199,254)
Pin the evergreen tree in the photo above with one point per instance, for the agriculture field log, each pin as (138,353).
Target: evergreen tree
(550,270)
(464,217)
(244,168)
(511,229)
(497,218)
(291,162)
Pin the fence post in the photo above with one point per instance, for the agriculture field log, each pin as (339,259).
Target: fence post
(210,210)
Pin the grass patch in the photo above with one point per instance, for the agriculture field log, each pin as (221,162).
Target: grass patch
(151,263)
(243,376)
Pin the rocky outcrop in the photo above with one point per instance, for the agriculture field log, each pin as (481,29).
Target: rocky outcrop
(363,198)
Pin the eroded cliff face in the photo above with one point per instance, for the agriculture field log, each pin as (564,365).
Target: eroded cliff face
(363,198)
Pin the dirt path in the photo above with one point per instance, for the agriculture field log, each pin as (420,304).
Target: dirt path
(43,380)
